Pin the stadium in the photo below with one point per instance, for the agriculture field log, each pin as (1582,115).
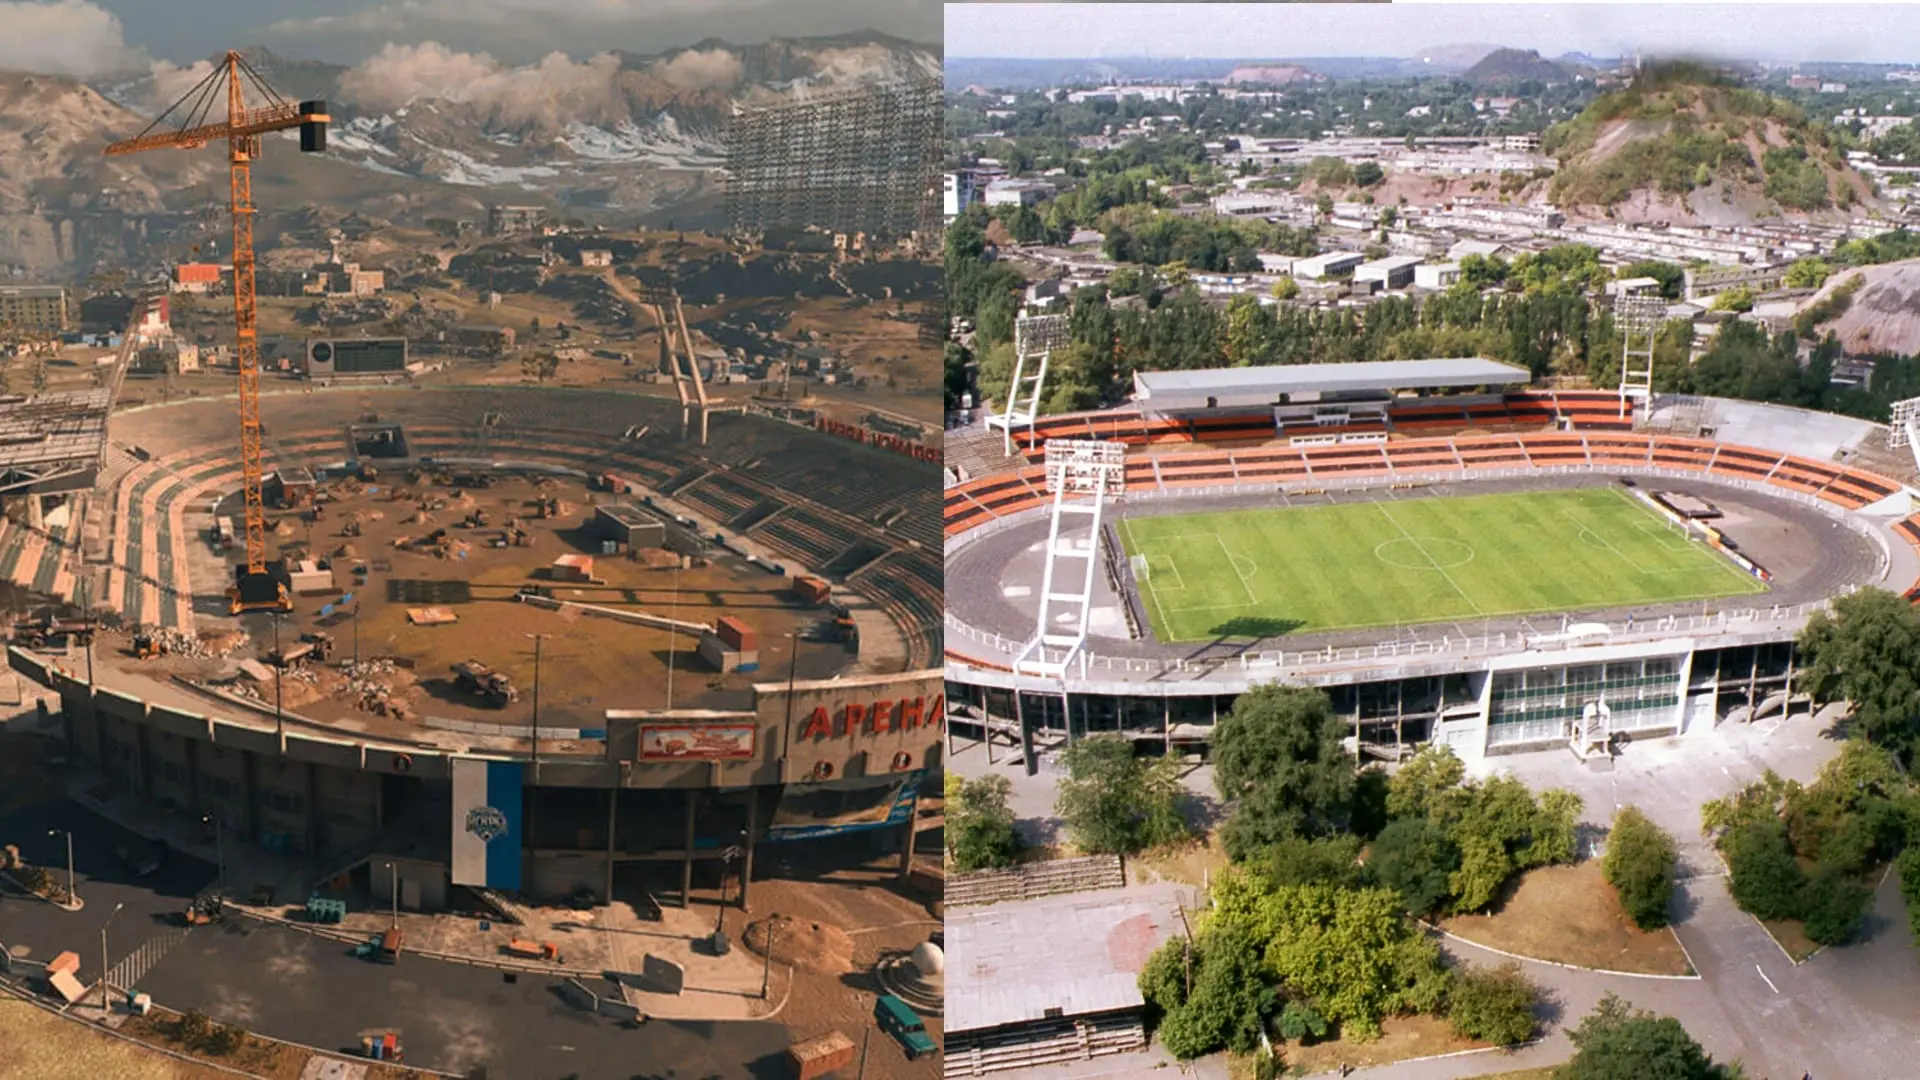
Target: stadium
(794,594)
(1453,556)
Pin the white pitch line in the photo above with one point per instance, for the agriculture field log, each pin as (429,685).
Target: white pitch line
(1422,549)
(1769,982)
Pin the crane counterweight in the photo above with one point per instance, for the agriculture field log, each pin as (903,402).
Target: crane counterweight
(257,586)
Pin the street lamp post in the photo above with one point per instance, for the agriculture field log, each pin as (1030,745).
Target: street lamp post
(393,876)
(279,664)
(73,892)
(531,841)
(673,635)
(219,854)
(786,730)
(733,852)
(766,969)
(105,1005)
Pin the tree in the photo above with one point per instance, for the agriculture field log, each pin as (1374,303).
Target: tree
(1618,1042)
(1639,864)
(1494,1005)
(1325,860)
(1349,953)
(1428,785)
(1765,879)
(1414,857)
(980,829)
(1808,273)
(1368,173)
(1232,994)
(1832,906)
(1866,650)
(1324,204)
(539,366)
(1278,758)
(1113,802)
(1286,288)
(534,325)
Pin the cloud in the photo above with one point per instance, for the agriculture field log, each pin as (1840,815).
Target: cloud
(65,37)
(702,69)
(520,31)
(171,81)
(554,89)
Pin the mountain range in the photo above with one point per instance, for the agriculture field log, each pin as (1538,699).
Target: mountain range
(417,130)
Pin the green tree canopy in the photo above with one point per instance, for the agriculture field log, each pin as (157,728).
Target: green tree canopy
(1618,1042)
(980,833)
(1278,759)
(1115,802)
(1639,864)
(1866,650)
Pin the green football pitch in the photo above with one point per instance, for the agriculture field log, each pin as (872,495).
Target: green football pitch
(1260,573)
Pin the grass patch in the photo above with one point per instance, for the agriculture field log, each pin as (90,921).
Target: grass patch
(1262,573)
(1194,862)
(1402,1038)
(1791,938)
(1570,915)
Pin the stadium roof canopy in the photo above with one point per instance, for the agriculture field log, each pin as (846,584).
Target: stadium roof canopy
(54,441)
(1169,391)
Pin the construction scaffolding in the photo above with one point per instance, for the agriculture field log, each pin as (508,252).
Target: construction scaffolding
(865,160)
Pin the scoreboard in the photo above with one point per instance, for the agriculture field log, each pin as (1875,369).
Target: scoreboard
(356,356)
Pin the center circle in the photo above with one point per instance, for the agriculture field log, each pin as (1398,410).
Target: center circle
(1424,553)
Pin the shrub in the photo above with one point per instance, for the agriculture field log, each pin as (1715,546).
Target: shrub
(35,879)
(1766,881)
(1909,865)
(1639,864)
(1299,1022)
(980,825)
(1414,858)
(1832,907)
(1493,1004)
(1327,860)
(193,1027)
(224,1039)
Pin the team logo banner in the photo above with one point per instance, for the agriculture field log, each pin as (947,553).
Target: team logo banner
(486,824)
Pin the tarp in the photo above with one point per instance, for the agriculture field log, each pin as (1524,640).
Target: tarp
(835,808)
(486,823)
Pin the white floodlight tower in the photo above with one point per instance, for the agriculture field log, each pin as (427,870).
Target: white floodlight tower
(1083,473)
(1034,339)
(1639,317)
(1905,429)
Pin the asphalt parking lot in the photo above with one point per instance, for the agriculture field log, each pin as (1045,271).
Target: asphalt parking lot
(310,990)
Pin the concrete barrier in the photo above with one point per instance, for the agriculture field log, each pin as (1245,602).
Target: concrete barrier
(581,994)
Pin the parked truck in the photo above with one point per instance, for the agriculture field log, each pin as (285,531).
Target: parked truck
(482,681)
(811,1059)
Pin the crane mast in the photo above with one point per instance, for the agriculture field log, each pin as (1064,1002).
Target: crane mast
(256,586)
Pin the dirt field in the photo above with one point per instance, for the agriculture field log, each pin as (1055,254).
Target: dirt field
(587,663)
(1570,915)
(842,923)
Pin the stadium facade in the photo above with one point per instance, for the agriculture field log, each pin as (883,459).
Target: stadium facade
(1816,505)
(617,799)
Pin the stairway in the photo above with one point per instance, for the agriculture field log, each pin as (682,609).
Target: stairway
(508,911)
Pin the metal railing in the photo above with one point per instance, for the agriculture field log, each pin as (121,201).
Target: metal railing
(1776,622)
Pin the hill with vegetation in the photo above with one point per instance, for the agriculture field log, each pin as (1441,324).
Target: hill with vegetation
(1503,67)
(1685,144)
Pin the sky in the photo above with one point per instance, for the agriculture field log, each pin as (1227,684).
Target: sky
(1882,33)
(89,37)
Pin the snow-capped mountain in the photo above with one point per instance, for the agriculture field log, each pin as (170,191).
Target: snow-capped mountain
(416,128)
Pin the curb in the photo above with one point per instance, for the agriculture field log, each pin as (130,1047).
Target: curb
(1439,1057)
(7,986)
(351,938)
(1571,967)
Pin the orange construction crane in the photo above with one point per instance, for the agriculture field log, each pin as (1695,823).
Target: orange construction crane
(256,587)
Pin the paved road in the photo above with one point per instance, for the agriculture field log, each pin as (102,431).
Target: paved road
(313,990)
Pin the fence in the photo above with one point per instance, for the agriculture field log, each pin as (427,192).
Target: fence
(1036,880)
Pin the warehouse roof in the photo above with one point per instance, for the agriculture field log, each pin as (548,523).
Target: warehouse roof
(1161,391)
(1079,953)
